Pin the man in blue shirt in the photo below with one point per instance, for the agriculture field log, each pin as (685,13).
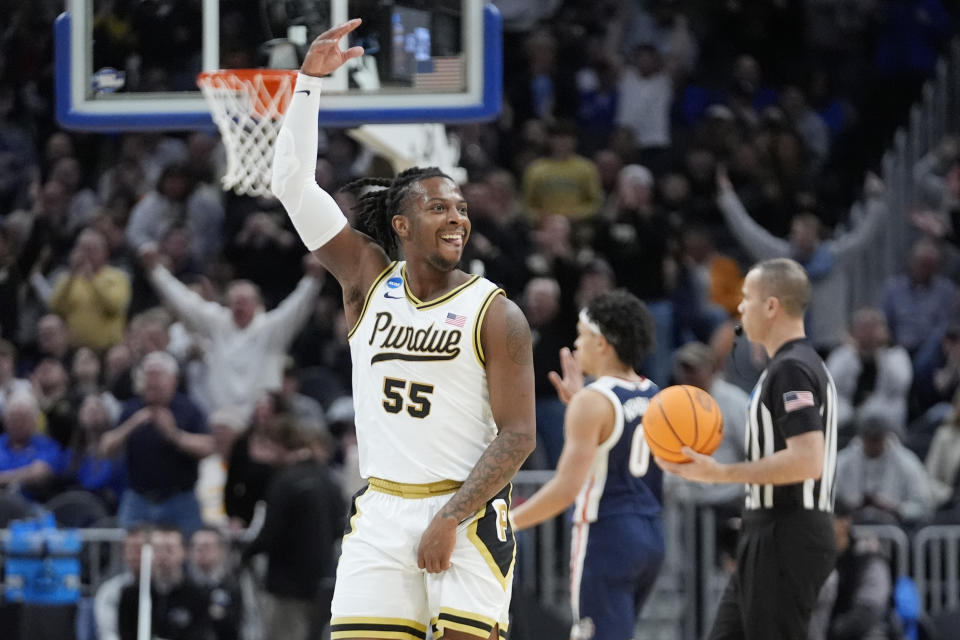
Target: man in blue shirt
(27,459)
(920,303)
(164,435)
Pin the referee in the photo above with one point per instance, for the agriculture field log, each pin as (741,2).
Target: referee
(786,548)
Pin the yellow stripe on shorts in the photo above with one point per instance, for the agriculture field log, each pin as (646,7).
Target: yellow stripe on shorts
(367,627)
(465,621)
(414,491)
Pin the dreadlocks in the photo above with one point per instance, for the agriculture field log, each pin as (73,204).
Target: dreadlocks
(376,208)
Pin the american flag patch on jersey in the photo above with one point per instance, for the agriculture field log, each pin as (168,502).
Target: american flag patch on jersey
(793,400)
(455,320)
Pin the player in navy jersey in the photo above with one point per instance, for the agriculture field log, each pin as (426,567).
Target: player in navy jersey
(787,546)
(605,470)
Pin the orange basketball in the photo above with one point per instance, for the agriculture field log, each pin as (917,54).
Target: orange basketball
(682,415)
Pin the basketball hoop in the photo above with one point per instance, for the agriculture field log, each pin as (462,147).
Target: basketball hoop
(247,106)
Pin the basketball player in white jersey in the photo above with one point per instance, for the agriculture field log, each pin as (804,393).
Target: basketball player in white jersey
(443,390)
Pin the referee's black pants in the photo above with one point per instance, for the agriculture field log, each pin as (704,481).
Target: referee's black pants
(782,561)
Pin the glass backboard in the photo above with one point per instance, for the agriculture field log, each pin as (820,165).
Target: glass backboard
(132,64)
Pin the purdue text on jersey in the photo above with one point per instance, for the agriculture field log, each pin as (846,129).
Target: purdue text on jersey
(427,416)
(405,342)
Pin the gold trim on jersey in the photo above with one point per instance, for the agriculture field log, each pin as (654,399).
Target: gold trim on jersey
(366,299)
(395,628)
(404,490)
(484,306)
(465,621)
(472,535)
(449,295)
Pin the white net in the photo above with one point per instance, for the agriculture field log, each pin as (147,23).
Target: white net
(247,106)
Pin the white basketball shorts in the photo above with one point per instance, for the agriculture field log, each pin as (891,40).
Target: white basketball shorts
(381,593)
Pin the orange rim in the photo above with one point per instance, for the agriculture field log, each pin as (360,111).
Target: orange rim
(262,85)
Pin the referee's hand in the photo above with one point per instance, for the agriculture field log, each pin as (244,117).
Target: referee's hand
(700,468)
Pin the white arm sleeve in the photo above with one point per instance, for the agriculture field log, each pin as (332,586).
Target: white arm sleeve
(314,213)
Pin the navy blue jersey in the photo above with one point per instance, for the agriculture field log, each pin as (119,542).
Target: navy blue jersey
(623,478)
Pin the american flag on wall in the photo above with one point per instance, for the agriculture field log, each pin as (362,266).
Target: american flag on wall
(444,73)
(455,320)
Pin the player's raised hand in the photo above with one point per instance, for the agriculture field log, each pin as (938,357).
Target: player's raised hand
(325,55)
(572,379)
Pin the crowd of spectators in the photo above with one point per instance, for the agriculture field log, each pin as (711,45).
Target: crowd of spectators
(158,336)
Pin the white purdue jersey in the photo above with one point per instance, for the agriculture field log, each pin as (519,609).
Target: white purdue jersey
(420,385)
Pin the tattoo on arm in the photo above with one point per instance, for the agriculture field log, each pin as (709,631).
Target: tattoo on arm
(519,343)
(498,464)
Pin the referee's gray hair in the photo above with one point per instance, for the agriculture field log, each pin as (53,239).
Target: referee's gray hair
(787,281)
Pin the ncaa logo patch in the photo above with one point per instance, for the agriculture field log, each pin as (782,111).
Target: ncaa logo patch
(393,283)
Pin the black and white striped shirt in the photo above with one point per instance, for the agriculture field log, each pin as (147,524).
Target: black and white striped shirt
(795,394)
